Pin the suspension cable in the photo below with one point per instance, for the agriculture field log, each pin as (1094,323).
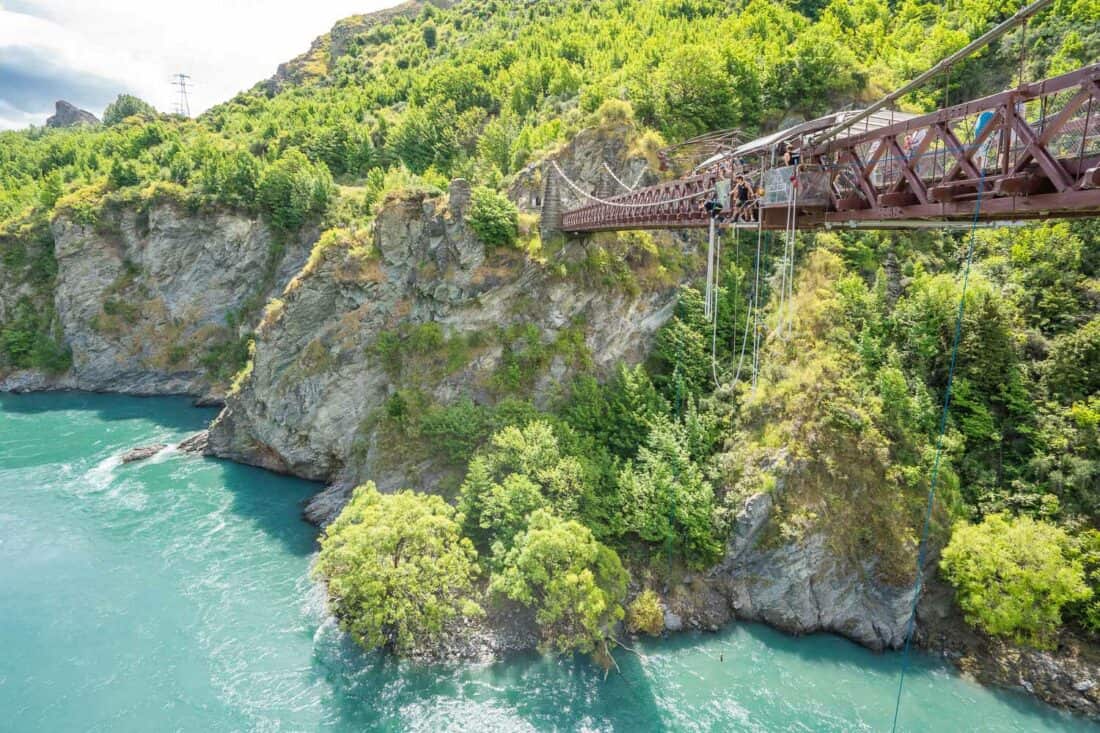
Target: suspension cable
(923,548)
(605,202)
(629,189)
(714,311)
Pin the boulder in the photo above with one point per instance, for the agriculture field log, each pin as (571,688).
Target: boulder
(68,115)
(142,453)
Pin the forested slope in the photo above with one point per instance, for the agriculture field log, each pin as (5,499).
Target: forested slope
(647,469)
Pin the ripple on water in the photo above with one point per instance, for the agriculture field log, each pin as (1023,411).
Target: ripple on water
(174,594)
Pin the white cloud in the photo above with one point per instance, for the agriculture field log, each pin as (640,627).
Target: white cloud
(77,48)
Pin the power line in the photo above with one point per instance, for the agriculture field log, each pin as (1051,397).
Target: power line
(183,105)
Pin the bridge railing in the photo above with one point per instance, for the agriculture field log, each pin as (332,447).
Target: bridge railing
(1026,152)
(676,203)
(1037,138)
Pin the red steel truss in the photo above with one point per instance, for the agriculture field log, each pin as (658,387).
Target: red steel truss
(1030,152)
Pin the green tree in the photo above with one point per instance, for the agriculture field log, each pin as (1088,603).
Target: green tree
(397,568)
(494,219)
(1013,577)
(520,471)
(575,584)
(292,190)
(127,105)
(667,500)
(690,93)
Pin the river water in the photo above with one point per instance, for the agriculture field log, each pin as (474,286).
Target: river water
(174,595)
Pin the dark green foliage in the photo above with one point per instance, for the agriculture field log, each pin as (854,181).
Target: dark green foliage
(122,174)
(293,190)
(1072,372)
(127,105)
(618,414)
(667,500)
(493,218)
(31,339)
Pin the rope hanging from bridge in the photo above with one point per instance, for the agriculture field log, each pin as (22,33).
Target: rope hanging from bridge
(714,311)
(619,204)
(923,548)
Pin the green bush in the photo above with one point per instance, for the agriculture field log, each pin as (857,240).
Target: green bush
(293,190)
(127,105)
(1013,577)
(645,615)
(493,218)
(397,568)
(575,584)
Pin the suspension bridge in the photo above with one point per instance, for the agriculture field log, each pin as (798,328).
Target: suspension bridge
(1034,151)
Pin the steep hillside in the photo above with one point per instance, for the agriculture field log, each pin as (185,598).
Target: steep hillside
(351,254)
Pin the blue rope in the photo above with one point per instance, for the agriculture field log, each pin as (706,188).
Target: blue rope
(939,453)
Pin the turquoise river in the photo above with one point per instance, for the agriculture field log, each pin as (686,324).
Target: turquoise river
(174,595)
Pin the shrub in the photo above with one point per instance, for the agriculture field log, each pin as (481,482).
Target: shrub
(127,105)
(122,174)
(666,499)
(493,218)
(1012,577)
(292,190)
(397,568)
(575,584)
(645,614)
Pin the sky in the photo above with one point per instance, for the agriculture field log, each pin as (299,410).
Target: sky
(89,51)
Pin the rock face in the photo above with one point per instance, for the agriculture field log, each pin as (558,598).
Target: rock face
(142,453)
(143,297)
(803,587)
(800,587)
(68,115)
(326,50)
(316,402)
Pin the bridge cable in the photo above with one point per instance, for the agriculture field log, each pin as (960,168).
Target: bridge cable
(790,264)
(605,202)
(629,189)
(708,290)
(923,548)
(748,321)
(714,313)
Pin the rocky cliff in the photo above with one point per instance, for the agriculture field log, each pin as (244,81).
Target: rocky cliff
(153,300)
(418,314)
(69,115)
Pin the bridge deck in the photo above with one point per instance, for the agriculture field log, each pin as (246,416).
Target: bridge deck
(1029,152)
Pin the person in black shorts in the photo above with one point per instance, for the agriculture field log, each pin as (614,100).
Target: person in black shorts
(742,195)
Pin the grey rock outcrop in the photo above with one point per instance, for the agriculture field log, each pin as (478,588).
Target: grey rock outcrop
(142,453)
(143,296)
(69,115)
(195,444)
(318,387)
(803,587)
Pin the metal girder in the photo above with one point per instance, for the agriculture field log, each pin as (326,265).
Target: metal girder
(1048,166)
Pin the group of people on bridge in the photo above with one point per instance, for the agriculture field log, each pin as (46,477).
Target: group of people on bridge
(743,199)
